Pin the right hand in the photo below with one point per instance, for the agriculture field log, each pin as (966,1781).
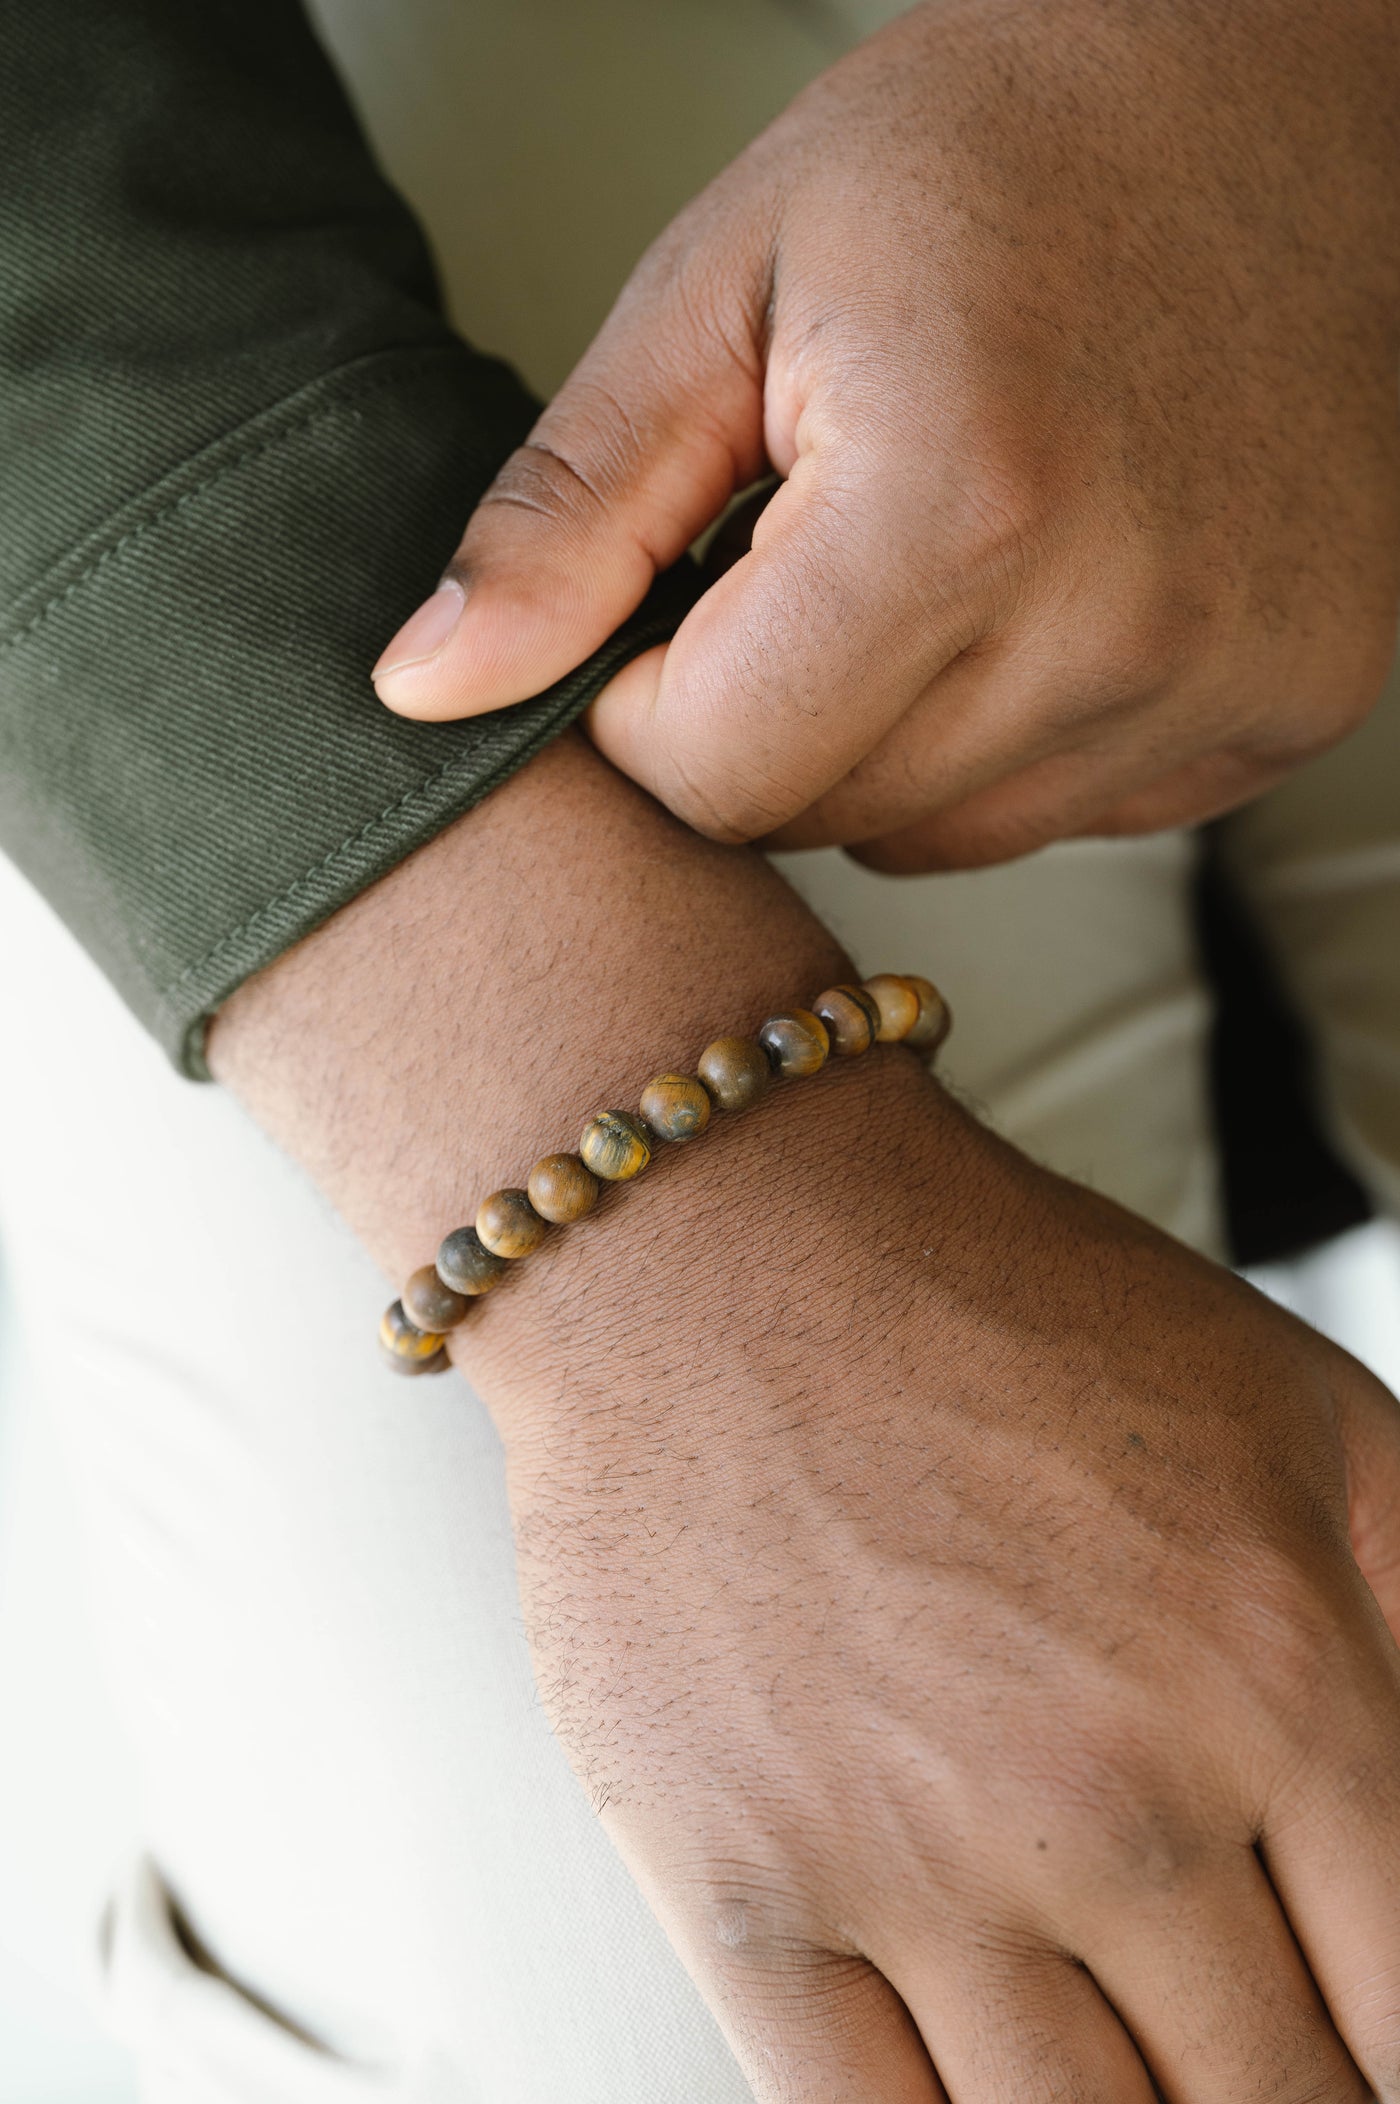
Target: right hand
(1072,329)
(958,1631)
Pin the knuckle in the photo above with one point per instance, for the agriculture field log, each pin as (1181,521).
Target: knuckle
(1127,651)
(598,429)
(551,482)
(997,529)
(1117,1827)
(1337,702)
(737,776)
(729,808)
(1138,656)
(995,525)
(708,272)
(749,1920)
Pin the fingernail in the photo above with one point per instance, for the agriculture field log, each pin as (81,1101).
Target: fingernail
(424,633)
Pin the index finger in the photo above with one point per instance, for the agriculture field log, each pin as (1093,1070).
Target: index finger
(792,666)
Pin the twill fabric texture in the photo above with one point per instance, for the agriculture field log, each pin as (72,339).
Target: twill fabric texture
(238,442)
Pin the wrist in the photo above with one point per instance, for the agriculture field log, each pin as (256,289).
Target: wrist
(537,962)
(787,1237)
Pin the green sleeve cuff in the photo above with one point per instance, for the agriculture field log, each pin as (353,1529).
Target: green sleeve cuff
(194,768)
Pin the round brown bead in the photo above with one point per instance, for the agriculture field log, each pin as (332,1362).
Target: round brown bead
(851,1017)
(403,1339)
(796,1043)
(438,1363)
(615,1145)
(935,1017)
(561,1189)
(430,1304)
(466,1265)
(675,1106)
(735,1070)
(897,1002)
(509,1225)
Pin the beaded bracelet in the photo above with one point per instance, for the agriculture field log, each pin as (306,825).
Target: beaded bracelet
(731,1074)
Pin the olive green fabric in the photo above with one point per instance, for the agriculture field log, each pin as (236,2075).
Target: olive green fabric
(238,441)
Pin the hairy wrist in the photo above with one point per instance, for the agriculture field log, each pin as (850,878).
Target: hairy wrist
(769,1266)
(539,961)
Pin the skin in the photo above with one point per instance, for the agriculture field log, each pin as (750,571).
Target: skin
(964,1606)
(1072,328)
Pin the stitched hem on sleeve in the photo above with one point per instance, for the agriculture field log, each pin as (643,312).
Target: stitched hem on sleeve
(190,1002)
(194,478)
(193,766)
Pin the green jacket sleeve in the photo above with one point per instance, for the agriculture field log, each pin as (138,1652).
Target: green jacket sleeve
(238,441)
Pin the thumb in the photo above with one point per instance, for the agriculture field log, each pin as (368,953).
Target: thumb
(1368,1418)
(800,658)
(648,439)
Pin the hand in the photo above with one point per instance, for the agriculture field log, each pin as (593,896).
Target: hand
(885,1506)
(1073,330)
(963,1648)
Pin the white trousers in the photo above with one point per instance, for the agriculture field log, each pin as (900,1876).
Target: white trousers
(368,1870)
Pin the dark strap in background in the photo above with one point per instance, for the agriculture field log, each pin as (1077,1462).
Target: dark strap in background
(1286,1189)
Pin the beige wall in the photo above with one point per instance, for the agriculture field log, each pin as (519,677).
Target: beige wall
(572,132)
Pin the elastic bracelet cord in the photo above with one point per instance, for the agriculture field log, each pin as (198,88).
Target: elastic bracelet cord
(731,1074)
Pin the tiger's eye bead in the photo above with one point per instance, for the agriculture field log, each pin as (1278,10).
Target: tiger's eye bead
(675,1106)
(851,1017)
(403,1339)
(431,1305)
(615,1145)
(466,1265)
(935,1017)
(439,1362)
(796,1043)
(735,1070)
(561,1189)
(509,1225)
(898,1005)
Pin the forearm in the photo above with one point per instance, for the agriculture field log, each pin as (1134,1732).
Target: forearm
(535,963)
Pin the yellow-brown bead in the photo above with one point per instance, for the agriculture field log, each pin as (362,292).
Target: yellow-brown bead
(851,1017)
(508,1224)
(735,1070)
(466,1265)
(796,1043)
(897,1002)
(438,1363)
(561,1188)
(675,1106)
(404,1342)
(615,1145)
(935,1017)
(430,1304)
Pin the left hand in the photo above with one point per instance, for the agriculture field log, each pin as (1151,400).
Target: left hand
(1072,327)
(964,1598)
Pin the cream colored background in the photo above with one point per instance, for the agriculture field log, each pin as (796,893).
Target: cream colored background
(366,1820)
